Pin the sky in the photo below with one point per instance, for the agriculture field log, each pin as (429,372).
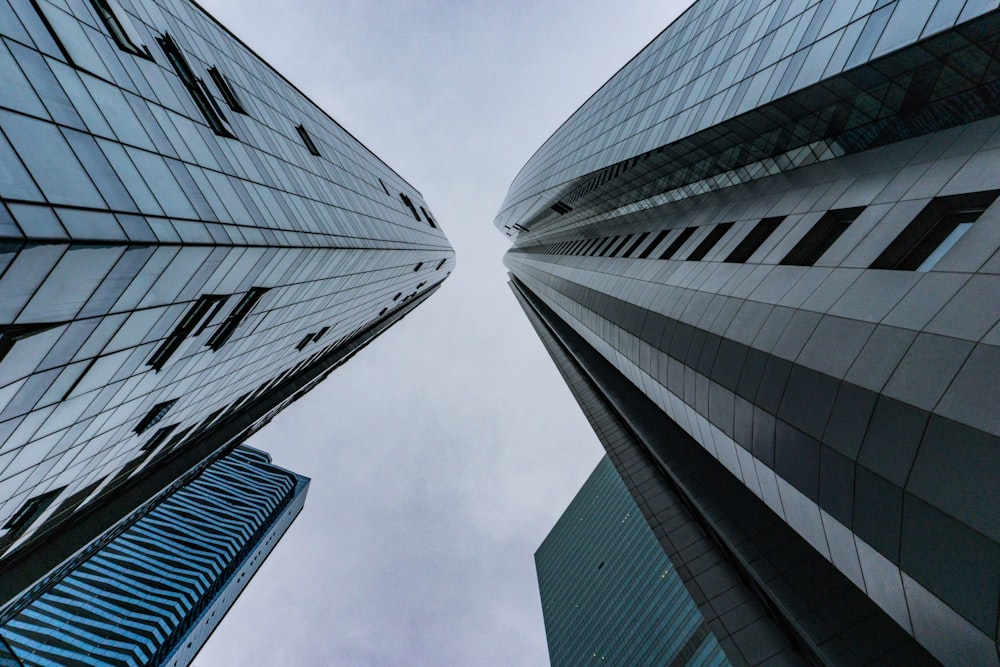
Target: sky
(443,454)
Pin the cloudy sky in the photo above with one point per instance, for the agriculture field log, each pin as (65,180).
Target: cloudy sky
(442,455)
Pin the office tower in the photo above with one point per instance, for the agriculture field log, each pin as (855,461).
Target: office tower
(154,592)
(187,245)
(764,257)
(609,593)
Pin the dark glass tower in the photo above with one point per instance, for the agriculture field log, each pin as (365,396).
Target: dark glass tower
(154,592)
(187,245)
(609,593)
(764,256)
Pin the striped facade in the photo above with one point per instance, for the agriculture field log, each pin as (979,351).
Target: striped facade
(154,593)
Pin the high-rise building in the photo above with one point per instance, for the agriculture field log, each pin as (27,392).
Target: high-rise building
(187,245)
(764,255)
(155,591)
(609,593)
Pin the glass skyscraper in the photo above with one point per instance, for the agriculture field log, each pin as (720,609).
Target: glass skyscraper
(187,245)
(154,592)
(764,257)
(609,593)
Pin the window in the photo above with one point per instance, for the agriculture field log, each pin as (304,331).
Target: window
(607,248)
(634,246)
(409,203)
(120,27)
(31,510)
(440,264)
(305,341)
(201,312)
(818,240)
(934,231)
(382,312)
(307,140)
(618,248)
(320,333)
(158,412)
(228,94)
(652,246)
(428,216)
(398,294)
(380,182)
(418,267)
(197,88)
(754,240)
(10,334)
(562,208)
(678,242)
(158,438)
(709,242)
(235,318)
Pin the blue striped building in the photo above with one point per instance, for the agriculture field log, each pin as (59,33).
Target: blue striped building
(154,593)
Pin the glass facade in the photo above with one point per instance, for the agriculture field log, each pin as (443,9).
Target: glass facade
(609,593)
(187,244)
(154,593)
(771,236)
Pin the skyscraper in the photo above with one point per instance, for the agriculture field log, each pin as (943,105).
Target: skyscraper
(187,245)
(764,256)
(154,592)
(609,593)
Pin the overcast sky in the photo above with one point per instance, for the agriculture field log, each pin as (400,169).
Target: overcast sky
(443,454)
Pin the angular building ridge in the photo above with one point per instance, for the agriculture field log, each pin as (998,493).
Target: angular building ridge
(188,244)
(794,297)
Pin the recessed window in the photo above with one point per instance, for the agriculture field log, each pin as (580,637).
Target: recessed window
(562,208)
(754,240)
(120,27)
(31,510)
(935,230)
(320,333)
(158,438)
(398,294)
(10,334)
(158,412)
(638,242)
(678,242)
(823,234)
(428,216)
(609,246)
(440,264)
(382,312)
(227,91)
(305,341)
(200,313)
(380,182)
(409,204)
(419,266)
(307,140)
(657,240)
(618,248)
(235,318)
(709,242)
(197,88)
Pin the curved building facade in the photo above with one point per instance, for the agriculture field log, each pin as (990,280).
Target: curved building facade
(764,255)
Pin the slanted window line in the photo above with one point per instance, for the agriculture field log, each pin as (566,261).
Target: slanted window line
(235,318)
(307,140)
(934,231)
(821,237)
(196,88)
(120,27)
(227,91)
(754,240)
